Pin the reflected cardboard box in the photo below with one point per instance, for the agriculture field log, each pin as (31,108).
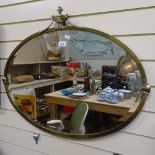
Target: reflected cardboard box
(79,71)
(60,71)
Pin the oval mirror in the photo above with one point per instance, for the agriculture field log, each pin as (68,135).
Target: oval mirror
(75,82)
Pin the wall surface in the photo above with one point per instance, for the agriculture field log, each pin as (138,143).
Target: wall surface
(131,21)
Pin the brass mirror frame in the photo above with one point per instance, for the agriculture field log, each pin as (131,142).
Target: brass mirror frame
(145,89)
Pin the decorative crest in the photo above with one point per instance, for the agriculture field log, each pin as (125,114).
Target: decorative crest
(60,19)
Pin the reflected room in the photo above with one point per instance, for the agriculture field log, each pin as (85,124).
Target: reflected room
(74,81)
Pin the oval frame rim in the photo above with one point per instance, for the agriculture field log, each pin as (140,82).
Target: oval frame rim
(78,136)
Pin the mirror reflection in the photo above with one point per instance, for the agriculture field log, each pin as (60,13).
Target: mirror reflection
(74,81)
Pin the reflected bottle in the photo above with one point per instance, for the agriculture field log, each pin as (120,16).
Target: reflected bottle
(86,83)
(75,79)
(92,87)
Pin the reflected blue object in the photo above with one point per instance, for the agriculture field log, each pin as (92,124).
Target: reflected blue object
(67,92)
(109,99)
(102,98)
(110,95)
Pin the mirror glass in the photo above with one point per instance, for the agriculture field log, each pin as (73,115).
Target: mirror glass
(75,82)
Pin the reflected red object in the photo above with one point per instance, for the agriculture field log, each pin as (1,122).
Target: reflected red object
(73,64)
(67,109)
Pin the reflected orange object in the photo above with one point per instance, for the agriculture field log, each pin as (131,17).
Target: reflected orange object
(26,105)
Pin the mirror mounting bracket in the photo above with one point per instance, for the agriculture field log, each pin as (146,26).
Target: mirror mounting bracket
(5,80)
(60,19)
(146,89)
(36,137)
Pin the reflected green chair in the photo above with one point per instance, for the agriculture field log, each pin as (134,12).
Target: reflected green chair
(77,120)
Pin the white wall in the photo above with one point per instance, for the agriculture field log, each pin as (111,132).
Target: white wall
(130,21)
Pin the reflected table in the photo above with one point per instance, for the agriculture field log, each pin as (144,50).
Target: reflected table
(124,108)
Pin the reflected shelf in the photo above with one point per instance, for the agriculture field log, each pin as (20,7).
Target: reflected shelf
(37,62)
(37,83)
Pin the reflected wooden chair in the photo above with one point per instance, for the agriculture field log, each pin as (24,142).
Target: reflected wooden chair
(77,120)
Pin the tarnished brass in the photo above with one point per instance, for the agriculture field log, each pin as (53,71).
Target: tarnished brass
(5,80)
(146,89)
(60,19)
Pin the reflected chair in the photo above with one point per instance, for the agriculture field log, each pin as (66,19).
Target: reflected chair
(77,120)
